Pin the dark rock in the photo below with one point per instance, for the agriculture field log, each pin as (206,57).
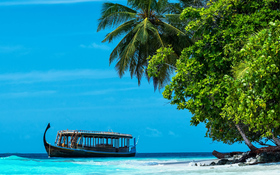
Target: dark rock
(235,161)
(244,156)
(212,163)
(266,157)
(222,162)
(262,157)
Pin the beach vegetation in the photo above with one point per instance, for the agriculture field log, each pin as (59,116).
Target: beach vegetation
(229,78)
(254,98)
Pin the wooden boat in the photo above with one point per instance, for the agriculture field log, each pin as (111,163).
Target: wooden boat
(80,143)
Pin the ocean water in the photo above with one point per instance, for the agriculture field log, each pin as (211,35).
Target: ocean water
(156,163)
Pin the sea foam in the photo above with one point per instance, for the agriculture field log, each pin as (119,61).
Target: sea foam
(120,166)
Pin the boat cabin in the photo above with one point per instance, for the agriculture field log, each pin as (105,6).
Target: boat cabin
(94,140)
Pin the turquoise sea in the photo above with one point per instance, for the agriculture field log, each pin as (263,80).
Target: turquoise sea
(143,163)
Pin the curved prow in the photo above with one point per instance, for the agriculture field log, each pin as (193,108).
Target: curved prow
(45,142)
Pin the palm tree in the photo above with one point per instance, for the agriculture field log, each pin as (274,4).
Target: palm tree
(146,25)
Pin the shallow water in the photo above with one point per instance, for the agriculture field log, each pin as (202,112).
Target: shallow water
(176,163)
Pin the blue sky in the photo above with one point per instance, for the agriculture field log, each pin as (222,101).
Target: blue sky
(54,68)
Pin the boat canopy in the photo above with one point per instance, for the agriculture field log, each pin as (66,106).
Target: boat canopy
(94,134)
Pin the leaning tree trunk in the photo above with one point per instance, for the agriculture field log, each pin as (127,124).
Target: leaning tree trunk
(276,140)
(247,141)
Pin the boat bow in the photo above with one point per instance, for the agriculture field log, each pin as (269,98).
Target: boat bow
(46,144)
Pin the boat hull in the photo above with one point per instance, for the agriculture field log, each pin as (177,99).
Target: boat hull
(57,151)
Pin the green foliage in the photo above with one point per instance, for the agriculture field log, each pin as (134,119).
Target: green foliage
(255,97)
(145,25)
(161,58)
(205,83)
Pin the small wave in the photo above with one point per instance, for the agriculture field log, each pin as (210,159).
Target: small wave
(152,163)
(129,163)
(90,163)
(14,157)
(117,163)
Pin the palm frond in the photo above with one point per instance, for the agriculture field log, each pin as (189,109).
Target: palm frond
(173,19)
(147,29)
(155,33)
(113,14)
(171,29)
(142,4)
(122,29)
(173,8)
(141,62)
(163,77)
(143,28)
(162,7)
(126,55)
(143,31)
(120,47)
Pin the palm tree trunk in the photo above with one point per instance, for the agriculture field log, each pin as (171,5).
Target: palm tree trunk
(247,141)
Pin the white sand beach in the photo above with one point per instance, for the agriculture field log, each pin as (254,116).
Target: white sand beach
(204,167)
